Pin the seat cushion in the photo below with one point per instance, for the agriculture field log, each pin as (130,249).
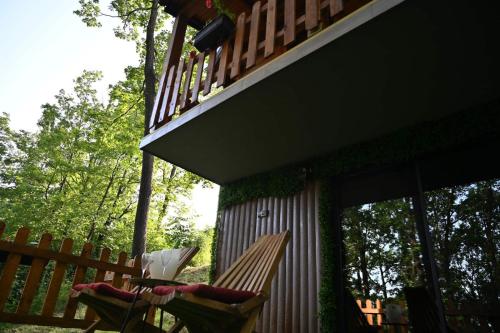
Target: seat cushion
(105,289)
(224,295)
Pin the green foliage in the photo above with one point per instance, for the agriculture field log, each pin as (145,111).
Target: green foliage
(327,286)
(213,252)
(383,254)
(222,9)
(77,176)
(280,183)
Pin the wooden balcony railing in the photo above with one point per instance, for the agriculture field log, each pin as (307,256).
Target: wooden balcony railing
(270,29)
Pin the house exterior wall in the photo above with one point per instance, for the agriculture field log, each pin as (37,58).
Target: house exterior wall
(293,305)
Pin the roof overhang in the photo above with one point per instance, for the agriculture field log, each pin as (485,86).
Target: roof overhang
(390,65)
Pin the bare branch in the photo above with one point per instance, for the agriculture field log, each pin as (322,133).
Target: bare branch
(127,14)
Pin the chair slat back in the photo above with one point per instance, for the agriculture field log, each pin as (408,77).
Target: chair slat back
(255,268)
(186,255)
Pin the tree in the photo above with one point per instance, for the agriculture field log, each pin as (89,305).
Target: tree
(139,18)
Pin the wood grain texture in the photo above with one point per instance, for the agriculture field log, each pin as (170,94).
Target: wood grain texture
(336,6)
(224,58)
(187,84)
(270,28)
(34,277)
(118,277)
(99,277)
(197,80)
(289,28)
(65,258)
(160,95)
(312,14)
(10,268)
(207,85)
(177,87)
(70,310)
(253,38)
(163,118)
(56,280)
(238,45)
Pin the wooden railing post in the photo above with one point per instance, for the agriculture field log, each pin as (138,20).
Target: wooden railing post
(172,57)
(254,42)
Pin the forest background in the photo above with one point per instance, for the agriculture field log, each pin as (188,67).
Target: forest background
(78,174)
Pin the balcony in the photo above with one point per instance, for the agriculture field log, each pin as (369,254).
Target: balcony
(300,79)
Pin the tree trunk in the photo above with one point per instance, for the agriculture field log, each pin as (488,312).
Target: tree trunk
(384,284)
(141,216)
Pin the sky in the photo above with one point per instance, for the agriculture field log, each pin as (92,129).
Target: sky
(44,46)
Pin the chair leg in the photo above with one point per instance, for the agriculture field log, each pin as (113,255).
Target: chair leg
(177,327)
(92,328)
(250,323)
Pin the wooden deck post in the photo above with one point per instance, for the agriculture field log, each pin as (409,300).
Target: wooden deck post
(426,245)
(172,58)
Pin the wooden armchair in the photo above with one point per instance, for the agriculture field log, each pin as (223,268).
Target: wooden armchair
(112,304)
(251,273)
(422,310)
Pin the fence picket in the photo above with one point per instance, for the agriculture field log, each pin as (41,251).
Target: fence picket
(117,278)
(34,277)
(10,267)
(99,277)
(18,253)
(70,311)
(56,280)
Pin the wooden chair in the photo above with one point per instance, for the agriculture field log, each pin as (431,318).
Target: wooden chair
(422,311)
(112,311)
(253,272)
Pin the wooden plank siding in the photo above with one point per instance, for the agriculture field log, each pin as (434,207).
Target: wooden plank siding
(260,35)
(293,304)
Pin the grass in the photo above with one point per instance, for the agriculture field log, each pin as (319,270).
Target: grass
(189,275)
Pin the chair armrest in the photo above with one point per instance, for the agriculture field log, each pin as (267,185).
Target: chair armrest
(151,283)
(252,303)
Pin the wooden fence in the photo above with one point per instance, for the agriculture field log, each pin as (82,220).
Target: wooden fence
(375,315)
(271,28)
(467,317)
(15,254)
